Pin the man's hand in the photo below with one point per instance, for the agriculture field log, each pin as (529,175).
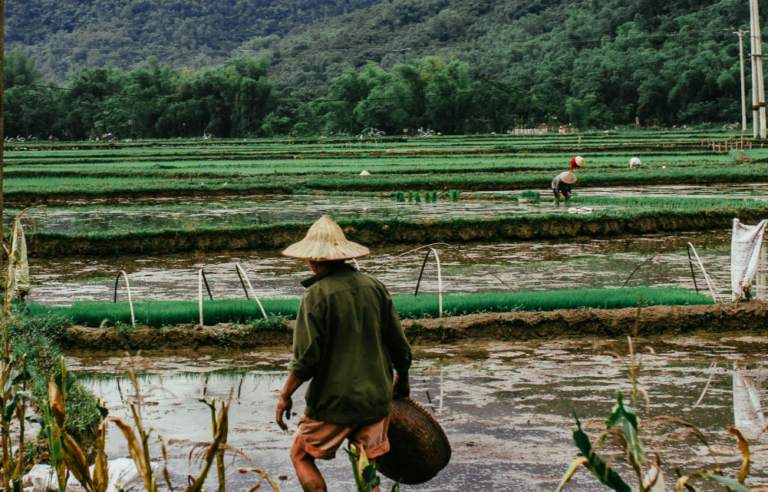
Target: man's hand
(284,406)
(402,387)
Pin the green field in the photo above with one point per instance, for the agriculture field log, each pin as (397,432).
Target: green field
(489,163)
(160,314)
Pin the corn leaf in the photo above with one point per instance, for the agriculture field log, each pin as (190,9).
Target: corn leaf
(56,402)
(575,464)
(69,380)
(75,461)
(595,464)
(136,452)
(744,448)
(26,375)
(629,426)
(11,408)
(729,482)
(362,464)
(101,467)
(57,454)
(352,453)
(221,437)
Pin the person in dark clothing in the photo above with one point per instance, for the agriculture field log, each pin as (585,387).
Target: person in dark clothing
(562,186)
(349,345)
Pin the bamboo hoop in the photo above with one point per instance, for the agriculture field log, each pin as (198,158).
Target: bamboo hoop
(439,280)
(200,294)
(127,288)
(253,294)
(710,284)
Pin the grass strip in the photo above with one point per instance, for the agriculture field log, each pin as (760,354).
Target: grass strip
(170,313)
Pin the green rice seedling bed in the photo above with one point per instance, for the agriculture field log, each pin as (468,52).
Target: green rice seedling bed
(95,187)
(171,313)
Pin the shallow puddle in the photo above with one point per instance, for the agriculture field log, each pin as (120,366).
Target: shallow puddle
(506,407)
(541,265)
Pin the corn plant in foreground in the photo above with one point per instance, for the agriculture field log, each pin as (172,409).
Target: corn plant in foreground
(366,478)
(622,433)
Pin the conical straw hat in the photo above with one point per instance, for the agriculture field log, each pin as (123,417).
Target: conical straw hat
(325,241)
(579,161)
(567,177)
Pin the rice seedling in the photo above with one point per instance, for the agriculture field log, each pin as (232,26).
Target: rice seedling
(434,196)
(417,198)
(427,197)
(171,313)
(533,196)
(400,196)
(454,196)
(410,197)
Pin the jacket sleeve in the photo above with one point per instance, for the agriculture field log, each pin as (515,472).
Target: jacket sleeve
(307,341)
(397,344)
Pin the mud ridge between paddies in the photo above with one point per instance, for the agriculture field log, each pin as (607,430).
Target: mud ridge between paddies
(390,232)
(311,183)
(603,323)
(28,198)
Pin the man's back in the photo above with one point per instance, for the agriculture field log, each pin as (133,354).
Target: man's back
(347,340)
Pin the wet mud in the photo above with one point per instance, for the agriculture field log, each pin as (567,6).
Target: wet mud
(387,232)
(541,265)
(601,323)
(505,406)
(22,199)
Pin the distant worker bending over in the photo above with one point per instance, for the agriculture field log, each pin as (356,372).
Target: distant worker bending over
(577,163)
(562,186)
(348,343)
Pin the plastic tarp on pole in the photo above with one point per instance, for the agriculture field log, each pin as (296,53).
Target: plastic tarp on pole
(745,256)
(18,264)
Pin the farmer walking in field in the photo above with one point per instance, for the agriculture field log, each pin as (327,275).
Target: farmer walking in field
(347,343)
(562,186)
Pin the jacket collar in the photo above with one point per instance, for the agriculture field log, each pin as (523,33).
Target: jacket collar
(326,273)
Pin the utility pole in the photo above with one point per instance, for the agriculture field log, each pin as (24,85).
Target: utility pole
(755,114)
(2,109)
(743,83)
(758,99)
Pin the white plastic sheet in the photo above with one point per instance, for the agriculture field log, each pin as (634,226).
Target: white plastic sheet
(19,265)
(123,475)
(745,255)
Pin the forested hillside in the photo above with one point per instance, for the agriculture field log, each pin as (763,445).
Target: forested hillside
(457,66)
(71,33)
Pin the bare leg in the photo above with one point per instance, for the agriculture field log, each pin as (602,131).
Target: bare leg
(309,476)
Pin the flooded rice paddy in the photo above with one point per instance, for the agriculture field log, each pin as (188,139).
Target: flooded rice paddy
(249,211)
(506,407)
(264,210)
(541,265)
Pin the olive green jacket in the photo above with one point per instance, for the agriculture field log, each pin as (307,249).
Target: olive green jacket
(347,341)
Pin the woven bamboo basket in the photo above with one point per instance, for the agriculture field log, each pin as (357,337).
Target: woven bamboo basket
(419,448)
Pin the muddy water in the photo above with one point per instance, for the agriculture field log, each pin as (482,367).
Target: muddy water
(250,211)
(755,191)
(264,210)
(592,263)
(506,407)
